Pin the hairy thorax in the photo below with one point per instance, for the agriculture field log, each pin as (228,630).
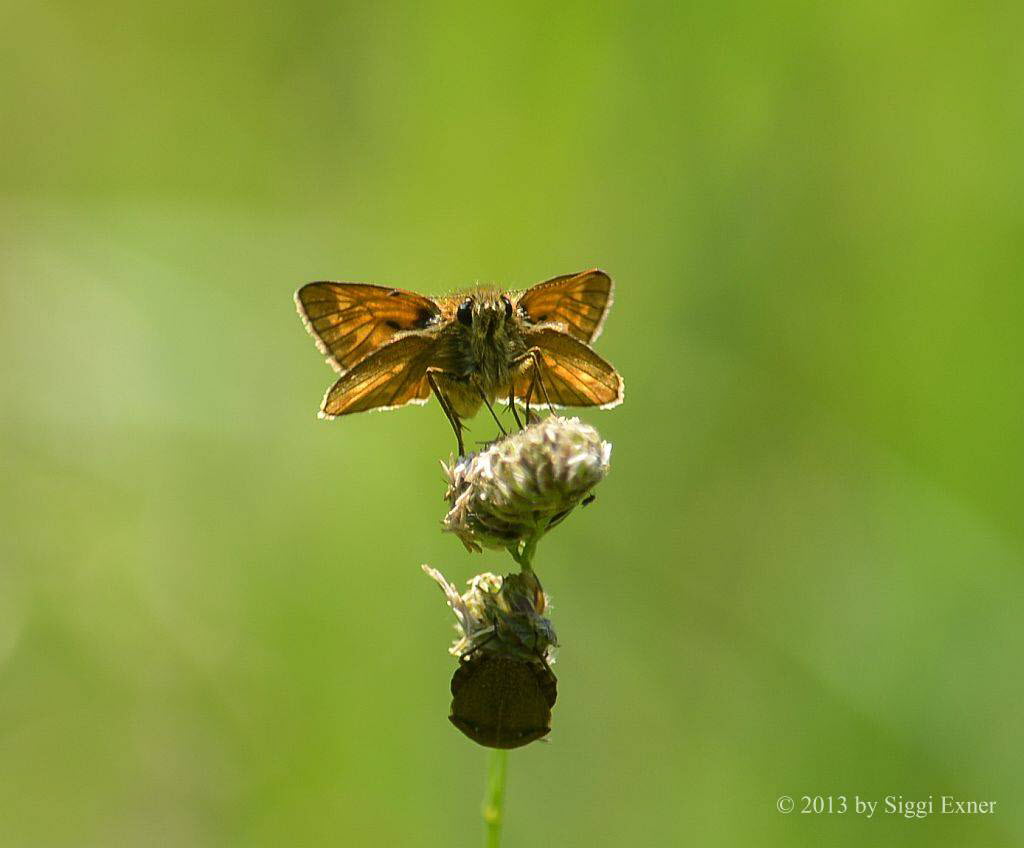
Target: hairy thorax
(494,357)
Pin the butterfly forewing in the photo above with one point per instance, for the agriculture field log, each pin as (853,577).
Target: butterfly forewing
(392,376)
(572,373)
(577,303)
(349,321)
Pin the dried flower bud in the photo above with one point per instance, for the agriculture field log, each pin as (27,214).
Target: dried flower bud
(524,484)
(500,615)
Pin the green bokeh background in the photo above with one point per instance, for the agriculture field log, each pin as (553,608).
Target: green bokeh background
(803,575)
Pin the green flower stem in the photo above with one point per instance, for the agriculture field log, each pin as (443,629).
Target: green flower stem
(494,803)
(524,556)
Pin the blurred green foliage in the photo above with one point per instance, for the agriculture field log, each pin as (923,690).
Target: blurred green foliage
(804,572)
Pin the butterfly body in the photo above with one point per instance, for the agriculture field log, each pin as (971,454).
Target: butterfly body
(394,347)
(482,358)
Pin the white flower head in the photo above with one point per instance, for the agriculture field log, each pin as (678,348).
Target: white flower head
(524,484)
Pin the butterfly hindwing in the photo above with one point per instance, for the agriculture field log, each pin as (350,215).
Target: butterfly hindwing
(572,373)
(392,376)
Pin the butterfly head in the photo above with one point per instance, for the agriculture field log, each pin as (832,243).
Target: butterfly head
(489,330)
(485,313)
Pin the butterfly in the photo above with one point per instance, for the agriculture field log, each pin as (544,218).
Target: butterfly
(393,347)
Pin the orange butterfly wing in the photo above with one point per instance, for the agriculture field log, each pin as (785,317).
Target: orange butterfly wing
(349,321)
(392,376)
(577,302)
(572,373)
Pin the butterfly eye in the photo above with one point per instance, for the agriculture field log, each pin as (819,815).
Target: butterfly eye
(465,312)
(508,307)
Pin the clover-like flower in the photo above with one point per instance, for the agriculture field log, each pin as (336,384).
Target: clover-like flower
(512,493)
(500,615)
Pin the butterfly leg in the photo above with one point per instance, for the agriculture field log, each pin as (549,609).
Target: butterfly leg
(534,356)
(490,409)
(512,404)
(453,419)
